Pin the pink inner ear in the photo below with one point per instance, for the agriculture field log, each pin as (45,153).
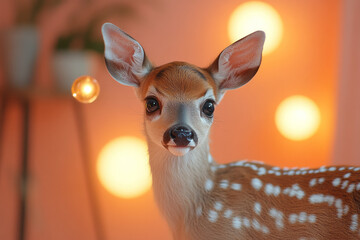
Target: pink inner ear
(239,62)
(120,46)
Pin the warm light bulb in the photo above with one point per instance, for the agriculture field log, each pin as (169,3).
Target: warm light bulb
(123,167)
(297,118)
(253,16)
(85,89)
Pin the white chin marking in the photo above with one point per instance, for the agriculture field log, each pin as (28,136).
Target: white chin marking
(178,151)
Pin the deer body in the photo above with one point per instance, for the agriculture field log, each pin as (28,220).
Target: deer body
(243,200)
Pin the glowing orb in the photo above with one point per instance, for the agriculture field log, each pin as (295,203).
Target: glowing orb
(85,89)
(297,118)
(123,167)
(253,16)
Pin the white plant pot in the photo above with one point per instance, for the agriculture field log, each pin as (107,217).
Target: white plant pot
(68,65)
(20,49)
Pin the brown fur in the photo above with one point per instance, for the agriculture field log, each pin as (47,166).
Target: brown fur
(178,81)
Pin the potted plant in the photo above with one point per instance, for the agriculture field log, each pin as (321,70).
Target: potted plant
(21,43)
(76,49)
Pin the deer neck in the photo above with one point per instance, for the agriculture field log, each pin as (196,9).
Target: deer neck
(179,182)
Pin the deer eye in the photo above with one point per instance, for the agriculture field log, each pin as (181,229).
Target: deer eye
(209,108)
(152,105)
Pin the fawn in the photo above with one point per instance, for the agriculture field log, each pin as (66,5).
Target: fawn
(201,199)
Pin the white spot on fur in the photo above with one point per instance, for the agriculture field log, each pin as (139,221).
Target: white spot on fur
(332,169)
(339,207)
(302,217)
(224,184)
(312,182)
(256,183)
(336,182)
(265,229)
(228,213)
(294,191)
(354,222)
(246,222)
(351,188)
(257,208)
(236,222)
(238,164)
(312,218)
(272,190)
(261,171)
(344,184)
(236,186)
(347,175)
(209,185)
(320,198)
(213,216)
(198,211)
(278,216)
(218,206)
(293,218)
(256,224)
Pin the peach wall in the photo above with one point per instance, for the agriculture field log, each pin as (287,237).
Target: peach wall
(189,30)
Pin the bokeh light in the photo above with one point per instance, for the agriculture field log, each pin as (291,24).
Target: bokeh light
(297,118)
(85,89)
(253,16)
(123,167)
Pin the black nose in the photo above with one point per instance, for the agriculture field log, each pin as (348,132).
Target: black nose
(182,135)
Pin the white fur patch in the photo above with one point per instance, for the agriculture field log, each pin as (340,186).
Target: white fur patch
(198,211)
(218,206)
(336,182)
(228,213)
(272,190)
(213,216)
(347,175)
(278,216)
(236,222)
(354,223)
(294,191)
(256,183)
(351,188)
(257,208)
(261,171)
(224,184)
(236,186)
(209,185)
(246,222)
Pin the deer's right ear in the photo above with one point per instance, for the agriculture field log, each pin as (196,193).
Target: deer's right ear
(124,57)
(238,63)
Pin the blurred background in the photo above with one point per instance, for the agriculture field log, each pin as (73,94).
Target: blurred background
(317,57)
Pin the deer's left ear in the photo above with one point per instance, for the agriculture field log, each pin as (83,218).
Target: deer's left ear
(238,63)
(124,56)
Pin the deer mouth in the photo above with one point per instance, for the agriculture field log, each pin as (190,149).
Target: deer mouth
(178,149)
